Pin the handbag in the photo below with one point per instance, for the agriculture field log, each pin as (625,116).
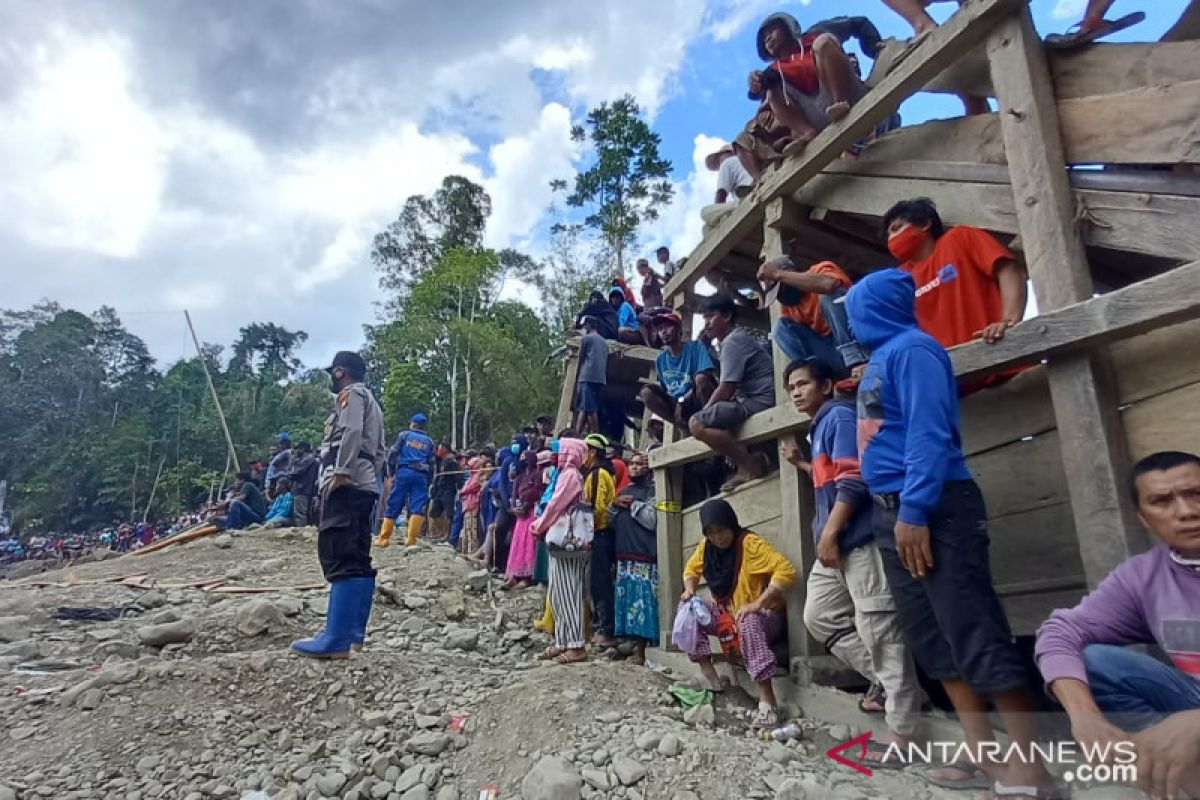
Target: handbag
(574,530)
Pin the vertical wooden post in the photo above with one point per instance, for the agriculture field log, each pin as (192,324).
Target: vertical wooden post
(796,493)
(1082,387)
(565,400)
(668,494)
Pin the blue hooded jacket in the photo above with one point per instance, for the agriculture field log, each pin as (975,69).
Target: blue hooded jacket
(908,438)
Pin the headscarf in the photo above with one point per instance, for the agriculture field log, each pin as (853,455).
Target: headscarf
(568,484)
(527,488)
(721,566)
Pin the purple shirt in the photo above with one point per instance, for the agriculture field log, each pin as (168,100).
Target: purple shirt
(1150,599)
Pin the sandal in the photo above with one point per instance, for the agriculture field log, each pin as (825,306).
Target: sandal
(551,653)
(874,701)
(765,717)
(1079,35)
(975,778)
(567,657)
(877,757)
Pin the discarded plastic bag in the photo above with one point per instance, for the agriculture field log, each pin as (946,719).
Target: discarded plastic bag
(686,632)
(690,696)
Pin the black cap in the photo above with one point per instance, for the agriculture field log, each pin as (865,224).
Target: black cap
(351,362)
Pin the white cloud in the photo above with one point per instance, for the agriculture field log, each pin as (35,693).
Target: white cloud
(228,175)
(730,17)
(1069,9)
(680,226)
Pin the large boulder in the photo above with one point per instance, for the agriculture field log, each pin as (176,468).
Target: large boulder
(257,617)
(552,778)
(167,633)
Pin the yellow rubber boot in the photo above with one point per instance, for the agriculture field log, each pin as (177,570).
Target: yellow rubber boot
(546,623)
(414,528)
(385,532)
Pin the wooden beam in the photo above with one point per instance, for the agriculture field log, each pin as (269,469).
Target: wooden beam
(566,398)
(770,424)
(796,501)
(1081,386)
(668,494)
(940,48)
(1140,307)
(1135,222)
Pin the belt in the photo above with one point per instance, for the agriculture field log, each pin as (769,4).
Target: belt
(888,501)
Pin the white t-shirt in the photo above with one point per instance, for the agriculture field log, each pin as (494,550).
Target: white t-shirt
(732,175)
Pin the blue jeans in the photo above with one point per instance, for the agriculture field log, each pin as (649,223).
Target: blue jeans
(839,349)
(456,525)
(409,488)
(239,516)
(1135,690)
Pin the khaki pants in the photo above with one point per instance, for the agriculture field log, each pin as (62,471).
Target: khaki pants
(852,611)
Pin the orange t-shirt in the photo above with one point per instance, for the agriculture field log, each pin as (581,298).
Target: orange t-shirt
(808,310)
(957,291)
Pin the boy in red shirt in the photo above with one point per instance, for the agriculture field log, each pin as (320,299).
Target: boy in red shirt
(809,83)
(969,286)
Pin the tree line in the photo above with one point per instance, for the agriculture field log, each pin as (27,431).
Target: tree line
(93,432)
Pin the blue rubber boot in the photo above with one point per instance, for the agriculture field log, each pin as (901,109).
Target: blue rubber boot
(340,619)
(365,599)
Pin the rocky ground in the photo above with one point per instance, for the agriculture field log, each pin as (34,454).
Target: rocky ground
(194,694)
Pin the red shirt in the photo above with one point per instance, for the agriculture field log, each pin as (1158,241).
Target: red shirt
(800,68)
(808,310)
(957,290)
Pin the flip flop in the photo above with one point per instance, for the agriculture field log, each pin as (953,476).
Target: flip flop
(876,757)
(1080,36)
(551,653)
(976,778)
(565,657)
(1001,791)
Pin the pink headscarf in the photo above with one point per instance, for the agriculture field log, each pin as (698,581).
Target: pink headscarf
(568,488)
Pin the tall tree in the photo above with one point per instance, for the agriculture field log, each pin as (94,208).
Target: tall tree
(428,227)
(627,184)
(572,269)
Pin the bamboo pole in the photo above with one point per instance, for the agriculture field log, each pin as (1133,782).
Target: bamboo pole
(213,390)
(154,487)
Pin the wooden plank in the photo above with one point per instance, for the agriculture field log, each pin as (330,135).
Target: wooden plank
(1039,483)
(754,502)
(1034,545)
(796,501)
(668,493)
(1154,125)
(566,399)
(936,51)
(1103,68)
(1146,366)
(1169,421)
(769,424)
(1153,224)
(1082,386)
(1153,303)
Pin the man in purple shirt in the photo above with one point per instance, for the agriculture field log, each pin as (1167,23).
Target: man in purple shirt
(1112,693)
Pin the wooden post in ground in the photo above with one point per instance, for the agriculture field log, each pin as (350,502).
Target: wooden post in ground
(796,493)
(668,494)
(565,400)
(1082,387)
(213,391)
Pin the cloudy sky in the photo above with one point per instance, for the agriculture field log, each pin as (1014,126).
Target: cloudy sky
(235,157)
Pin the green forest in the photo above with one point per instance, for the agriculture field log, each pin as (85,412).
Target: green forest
(94,431)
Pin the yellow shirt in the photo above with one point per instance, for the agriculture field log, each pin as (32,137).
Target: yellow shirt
(762,566)
(606,492)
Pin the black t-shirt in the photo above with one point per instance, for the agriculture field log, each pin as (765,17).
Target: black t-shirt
(253,497)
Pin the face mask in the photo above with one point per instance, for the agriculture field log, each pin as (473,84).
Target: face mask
(554,446)
(515,449)
(905,243)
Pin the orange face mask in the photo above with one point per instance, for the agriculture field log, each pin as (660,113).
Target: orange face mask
(905,243)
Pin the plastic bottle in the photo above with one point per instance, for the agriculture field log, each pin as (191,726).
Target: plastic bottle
(782,734)
(700,609)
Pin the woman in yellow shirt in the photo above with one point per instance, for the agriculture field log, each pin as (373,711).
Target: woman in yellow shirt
(747,578)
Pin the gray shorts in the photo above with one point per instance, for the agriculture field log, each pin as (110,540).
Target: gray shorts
(725,414)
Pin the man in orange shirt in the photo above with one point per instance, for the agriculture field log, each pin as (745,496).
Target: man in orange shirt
(969,286)
(812,321)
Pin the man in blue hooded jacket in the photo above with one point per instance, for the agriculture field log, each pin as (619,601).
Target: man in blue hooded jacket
(930,525)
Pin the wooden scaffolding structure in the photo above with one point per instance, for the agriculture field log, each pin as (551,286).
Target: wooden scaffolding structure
(1113,255)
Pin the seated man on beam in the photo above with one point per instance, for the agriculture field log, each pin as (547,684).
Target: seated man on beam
(812,322)
(810,82)
(969,286)
(629,330)
(1116,694)
(686,374)
(747,386)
